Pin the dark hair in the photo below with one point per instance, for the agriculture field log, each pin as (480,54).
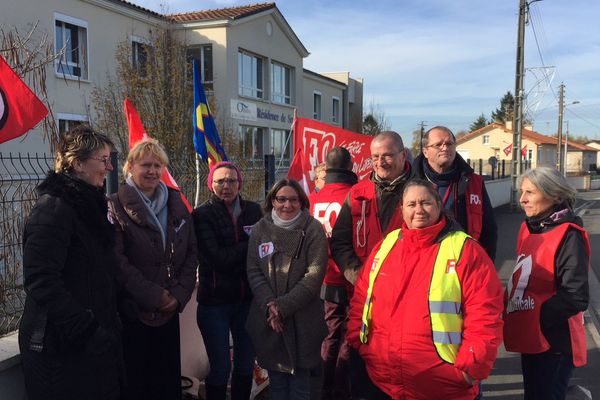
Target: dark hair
(305,204)
(427,185)
(425,140)
(78,144)
(339,157)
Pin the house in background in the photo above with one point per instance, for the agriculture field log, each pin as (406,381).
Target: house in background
(252,64)
(495,140)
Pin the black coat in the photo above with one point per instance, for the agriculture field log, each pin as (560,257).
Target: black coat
(222,249)
(69,333)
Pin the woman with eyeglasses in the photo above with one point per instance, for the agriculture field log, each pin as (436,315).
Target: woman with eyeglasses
(156,249)
(223,225)
(287,257)
(69,333)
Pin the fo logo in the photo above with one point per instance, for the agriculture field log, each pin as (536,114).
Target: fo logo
(474,199)
(3,109)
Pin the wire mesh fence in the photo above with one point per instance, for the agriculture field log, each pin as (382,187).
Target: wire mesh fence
(21,173)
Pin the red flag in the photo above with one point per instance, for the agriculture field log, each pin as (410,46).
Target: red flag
(507,149)
(20,109)
(524,151)
(137,133)
(312,141)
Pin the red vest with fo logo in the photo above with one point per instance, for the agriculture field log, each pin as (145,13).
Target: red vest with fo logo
(474,196)
(531,284)
(325,206)
(366,228)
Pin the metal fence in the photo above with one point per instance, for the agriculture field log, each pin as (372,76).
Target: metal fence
(502,170)
(19,176)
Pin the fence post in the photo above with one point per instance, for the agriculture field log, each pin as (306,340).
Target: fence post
(269,172)
(480,165)
(112,179)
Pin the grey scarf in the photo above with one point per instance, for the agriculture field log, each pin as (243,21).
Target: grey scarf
(157,207)
(285,223)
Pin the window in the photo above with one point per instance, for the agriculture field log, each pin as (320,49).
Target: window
(139,56)
(250,75)
(203,55)
(529,154)
(66,122)
(281,77)
(70,36)
(317,106)
(253,142)
(335,110)
(486,139)
(281,147)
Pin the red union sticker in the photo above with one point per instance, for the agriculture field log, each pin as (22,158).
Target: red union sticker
(264,249)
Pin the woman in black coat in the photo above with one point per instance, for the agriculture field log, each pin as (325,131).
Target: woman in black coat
(223,225)
(69,333)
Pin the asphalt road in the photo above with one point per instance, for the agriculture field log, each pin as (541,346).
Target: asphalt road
(505,382)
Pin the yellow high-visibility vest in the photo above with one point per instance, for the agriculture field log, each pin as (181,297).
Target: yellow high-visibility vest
(445,295)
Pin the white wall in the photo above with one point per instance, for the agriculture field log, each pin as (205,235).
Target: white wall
(499,191)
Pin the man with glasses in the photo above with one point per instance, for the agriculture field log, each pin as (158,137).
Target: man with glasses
(461,189)
(370,211)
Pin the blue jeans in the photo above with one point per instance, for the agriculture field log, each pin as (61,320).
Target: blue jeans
(546,375)
(215,323)
(284,386)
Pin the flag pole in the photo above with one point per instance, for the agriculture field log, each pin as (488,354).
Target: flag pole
(197,199)
(287,141)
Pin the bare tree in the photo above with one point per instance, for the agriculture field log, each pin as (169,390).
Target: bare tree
(375,120)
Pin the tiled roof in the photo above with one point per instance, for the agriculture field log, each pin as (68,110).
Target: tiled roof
(136,7)
(222,13)
(535,137)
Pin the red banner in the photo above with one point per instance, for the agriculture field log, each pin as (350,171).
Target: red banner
(312,141)
(20,109)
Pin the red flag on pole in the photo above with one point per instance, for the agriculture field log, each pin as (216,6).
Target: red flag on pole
(137,133)
(524,151)
(20,109)
(507,150)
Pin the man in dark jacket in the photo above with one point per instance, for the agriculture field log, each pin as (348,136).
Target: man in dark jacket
(460,188)
(371,210)
(325,206)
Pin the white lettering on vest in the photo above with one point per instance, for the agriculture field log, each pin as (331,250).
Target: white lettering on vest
(474,199)
(326,213)
(522,273)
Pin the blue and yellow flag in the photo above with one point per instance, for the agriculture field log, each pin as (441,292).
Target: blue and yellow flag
(206,137)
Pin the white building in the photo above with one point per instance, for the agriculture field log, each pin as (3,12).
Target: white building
(252,64)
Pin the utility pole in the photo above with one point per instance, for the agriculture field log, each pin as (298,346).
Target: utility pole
(566,149)
(518,109)
(422,133)
(561,105)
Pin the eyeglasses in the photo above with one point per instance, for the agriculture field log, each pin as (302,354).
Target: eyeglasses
(106,160)
(221,182)
(439,146)
(283,199)
(385,156)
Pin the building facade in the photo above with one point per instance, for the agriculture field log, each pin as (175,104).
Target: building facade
(495,140)
(251,65)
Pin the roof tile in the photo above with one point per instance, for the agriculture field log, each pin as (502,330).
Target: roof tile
(222,13)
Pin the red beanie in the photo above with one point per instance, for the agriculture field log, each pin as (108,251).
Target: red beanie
(209,180)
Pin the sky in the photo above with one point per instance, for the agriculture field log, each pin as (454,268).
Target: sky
(445,62)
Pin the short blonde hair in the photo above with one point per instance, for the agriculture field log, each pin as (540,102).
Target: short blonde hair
(320,168)
(143,148)
(78,144)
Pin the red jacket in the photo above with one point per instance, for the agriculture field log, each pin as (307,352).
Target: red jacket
(325,205)
(400,355)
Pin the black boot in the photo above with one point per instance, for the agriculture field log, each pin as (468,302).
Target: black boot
(216,392)
(240,387)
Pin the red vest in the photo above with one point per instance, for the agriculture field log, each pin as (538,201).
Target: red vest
(365,223)
(474,198)
(325,206)
(531,284)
